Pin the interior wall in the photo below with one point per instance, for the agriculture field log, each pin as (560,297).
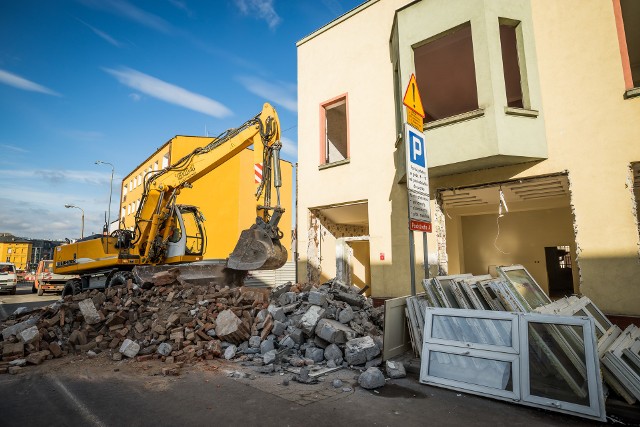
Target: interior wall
(523,237)
(360,271)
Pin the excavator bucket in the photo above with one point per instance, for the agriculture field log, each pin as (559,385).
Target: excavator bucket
(255,250)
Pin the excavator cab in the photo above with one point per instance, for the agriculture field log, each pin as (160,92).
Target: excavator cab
(188,236)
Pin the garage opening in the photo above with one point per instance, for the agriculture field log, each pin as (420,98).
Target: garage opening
(527,221)
(339,247)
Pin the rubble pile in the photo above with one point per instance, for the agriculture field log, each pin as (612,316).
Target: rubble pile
(177,322)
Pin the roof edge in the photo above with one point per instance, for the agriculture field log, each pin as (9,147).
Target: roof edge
(336,21)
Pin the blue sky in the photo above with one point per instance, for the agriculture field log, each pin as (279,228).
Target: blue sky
(113,80)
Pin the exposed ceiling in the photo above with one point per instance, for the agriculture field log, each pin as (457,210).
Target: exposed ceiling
(549,192)
(351,214)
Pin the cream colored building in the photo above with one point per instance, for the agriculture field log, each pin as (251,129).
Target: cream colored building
(536,100)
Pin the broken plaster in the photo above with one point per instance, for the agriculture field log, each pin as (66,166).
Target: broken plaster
(631,184)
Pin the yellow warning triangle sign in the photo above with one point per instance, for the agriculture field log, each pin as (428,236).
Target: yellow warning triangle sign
(412,97)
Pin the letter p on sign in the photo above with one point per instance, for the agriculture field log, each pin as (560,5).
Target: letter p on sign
(417,149)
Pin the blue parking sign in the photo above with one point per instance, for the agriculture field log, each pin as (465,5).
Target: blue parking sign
(417,149)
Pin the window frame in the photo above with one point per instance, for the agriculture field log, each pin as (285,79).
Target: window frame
(324,106)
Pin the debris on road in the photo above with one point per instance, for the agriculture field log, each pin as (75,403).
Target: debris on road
(293,325)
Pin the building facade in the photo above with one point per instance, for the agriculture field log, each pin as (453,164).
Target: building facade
(225,195)
(531,139)
(15,250)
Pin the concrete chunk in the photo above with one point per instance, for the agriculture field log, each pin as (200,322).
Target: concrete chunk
(346,315)
(310,319)
(88,309)
(129,348)
(317,298)
(278,328)
(395,369)
(164,349)
(30,335)
(269,357)
(334,332)
(314,353)
(17,328)
(333,352)
(277,313)
(229,327)
(266,346)
(230,352)
(371,378)
(360,350)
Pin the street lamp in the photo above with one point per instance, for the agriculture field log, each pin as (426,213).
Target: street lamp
(82,230)
(99,162)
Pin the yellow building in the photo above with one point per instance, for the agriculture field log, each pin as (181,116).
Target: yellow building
(15,250)
(536,101)
(225,195)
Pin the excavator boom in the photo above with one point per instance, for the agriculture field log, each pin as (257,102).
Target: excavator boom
(155,243)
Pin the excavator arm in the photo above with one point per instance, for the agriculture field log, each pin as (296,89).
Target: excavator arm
(258,247)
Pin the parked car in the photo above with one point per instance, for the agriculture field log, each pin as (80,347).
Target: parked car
(8,277)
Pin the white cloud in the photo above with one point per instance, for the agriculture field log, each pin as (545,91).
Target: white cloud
(83,135)
(263,9)
(13,148)
(169,93)
(56,176)
(37,199)
(24,84)
(102,34)
(289,148)
(131,12)
(182,6)
(280,93)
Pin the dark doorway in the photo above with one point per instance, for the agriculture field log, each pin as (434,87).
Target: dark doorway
(559,271)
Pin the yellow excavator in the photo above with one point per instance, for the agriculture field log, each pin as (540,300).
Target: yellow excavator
(168,235)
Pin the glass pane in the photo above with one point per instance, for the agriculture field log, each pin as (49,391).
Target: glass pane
(557,363)
(526,286)
(446,287)
(631,362)
(597,330)
(598,317)
(481,298)
(471,370)
(474,330)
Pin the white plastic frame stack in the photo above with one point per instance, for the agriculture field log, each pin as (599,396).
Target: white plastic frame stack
(508,356)
(516,291)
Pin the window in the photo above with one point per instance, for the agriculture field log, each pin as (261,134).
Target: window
(165,161)
(155,166)
(124,212)
(532,359)
(130,185)
(628,24)
(513,64)
(335,131)
(446,74)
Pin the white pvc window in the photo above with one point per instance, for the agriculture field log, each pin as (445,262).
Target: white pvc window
(537,360)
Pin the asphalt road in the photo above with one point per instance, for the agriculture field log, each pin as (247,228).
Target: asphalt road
(108,396)
(23,298)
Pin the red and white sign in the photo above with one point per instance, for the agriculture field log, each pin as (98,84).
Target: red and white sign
(257,173)
(420,226)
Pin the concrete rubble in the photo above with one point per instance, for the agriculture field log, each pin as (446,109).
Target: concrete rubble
(270,330)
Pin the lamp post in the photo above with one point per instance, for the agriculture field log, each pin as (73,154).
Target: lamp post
(98,162)
(77,207)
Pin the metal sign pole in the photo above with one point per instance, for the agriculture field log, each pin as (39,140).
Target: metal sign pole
(425,249)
